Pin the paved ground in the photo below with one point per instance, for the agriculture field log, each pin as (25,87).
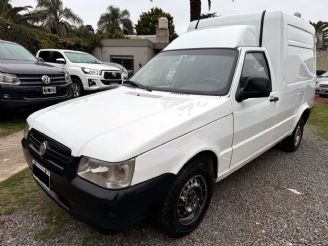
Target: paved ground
(11,157)
(279,199)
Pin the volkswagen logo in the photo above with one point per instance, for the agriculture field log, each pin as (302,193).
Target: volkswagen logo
(43,148)
(46,79)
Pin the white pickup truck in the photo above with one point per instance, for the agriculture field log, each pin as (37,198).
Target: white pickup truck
(217,97)
(86,71)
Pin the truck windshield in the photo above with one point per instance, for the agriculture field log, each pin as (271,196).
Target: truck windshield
(12,51)
(197,71)
(77,57)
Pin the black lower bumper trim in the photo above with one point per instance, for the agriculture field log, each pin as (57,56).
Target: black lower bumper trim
(104,208)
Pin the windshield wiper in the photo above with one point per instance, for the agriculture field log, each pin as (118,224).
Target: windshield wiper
(135,84)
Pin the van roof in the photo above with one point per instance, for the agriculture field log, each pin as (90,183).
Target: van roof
(235,30)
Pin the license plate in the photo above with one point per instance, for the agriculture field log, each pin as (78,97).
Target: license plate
(49,90)
(41,174)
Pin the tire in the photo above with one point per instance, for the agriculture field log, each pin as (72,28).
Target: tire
(293,142)
(77,87)
(187,201)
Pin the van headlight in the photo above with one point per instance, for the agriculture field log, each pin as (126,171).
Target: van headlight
(106,174)
(11,79)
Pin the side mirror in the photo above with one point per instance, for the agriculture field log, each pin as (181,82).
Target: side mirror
(40,59)
(255,87)
(60,61)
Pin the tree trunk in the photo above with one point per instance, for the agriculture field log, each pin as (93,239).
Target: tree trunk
(195,9)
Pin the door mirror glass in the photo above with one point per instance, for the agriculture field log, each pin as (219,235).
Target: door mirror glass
(60,61)
(40,59)
(254,87)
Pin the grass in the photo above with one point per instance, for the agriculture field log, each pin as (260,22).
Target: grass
(8,127)
(319,119)
(11,122)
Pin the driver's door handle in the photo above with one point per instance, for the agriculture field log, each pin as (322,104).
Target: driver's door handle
(274,99)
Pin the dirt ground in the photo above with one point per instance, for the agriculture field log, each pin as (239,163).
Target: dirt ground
(11,157)
(321,100)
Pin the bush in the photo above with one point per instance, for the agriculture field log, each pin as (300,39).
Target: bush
(34,39)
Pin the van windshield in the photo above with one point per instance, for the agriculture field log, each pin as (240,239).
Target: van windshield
(12,51)
(196,71)
(77,57)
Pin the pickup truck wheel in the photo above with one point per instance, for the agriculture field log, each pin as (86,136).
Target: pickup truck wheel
(187,201)
(77,87)
(291,143)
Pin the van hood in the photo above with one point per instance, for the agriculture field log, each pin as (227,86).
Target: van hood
(28,67)
(123,123)
(97,66)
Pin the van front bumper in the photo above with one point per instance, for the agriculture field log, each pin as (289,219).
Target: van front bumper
(106,209)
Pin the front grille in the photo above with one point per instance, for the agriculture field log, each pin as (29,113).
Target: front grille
(56,157)
(36,79)
(112,75)
(323,86)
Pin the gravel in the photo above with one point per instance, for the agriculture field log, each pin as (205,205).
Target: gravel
(279,198)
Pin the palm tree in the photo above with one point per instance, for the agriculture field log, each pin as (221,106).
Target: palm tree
(321,30)
(54,17)
(114,18)
(8,12)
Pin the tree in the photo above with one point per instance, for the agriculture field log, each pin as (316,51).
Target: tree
(54,17)
(8,12)
(114,19)
(148,22)
(321,30)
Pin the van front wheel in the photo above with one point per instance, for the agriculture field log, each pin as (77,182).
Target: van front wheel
(292,142)
(187,201)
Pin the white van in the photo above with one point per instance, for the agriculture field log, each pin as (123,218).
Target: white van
(86,71)
(216,98)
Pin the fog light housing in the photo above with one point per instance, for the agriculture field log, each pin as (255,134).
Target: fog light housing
(92,82)
(6,96)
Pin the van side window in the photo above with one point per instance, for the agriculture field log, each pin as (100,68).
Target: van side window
(255,65)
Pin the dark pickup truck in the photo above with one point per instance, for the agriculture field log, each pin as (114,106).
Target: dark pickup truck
(25,81)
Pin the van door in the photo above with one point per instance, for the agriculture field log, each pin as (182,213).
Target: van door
(253,117)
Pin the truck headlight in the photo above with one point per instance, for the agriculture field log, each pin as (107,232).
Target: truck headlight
(106,174)
(91,71)
(26,130)
(67,77)
(10,79)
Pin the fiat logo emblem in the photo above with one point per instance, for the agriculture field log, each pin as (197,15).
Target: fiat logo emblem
(46,79)
(43,148)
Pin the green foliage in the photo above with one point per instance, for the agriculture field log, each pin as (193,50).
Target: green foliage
(110,21)
(34,39)
(148,23)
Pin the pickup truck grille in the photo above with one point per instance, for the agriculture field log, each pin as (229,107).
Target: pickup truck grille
(112,75)
(56,156)
(36,79)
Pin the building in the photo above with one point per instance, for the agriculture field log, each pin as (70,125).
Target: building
(136,50)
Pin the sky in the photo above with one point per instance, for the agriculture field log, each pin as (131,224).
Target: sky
(90,11)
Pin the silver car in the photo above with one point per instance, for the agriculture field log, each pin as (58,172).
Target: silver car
(322,85)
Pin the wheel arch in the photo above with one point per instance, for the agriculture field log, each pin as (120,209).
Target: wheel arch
(209,158)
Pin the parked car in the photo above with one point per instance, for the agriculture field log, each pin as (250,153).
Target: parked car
(126,74)
(322,85)
(87,72)
(25,81)
(213,100)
